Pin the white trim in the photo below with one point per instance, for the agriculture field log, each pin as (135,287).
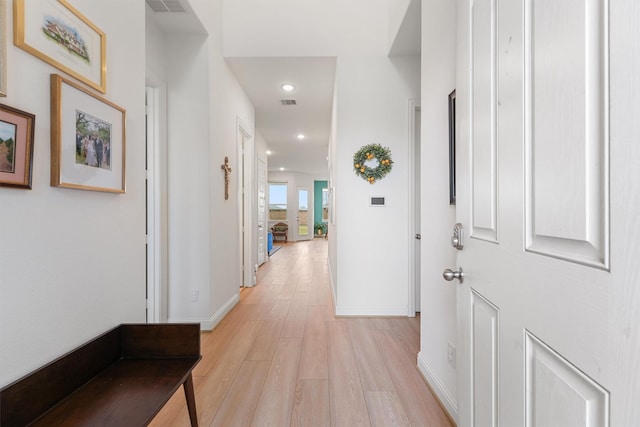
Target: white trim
(245,248)
(438,387)
(156,293)
(371,311)
(333,288)
(207,324)
(414,106)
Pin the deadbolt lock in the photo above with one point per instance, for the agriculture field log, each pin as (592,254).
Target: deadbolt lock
(456,238)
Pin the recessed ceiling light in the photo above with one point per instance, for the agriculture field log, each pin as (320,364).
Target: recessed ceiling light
(300,136)
(281,169)
(287,87)
(268,152)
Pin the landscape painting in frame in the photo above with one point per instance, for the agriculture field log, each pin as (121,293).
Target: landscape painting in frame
(16,147)
(87,139)
(55,32)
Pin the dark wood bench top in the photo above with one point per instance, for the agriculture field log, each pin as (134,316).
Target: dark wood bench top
(122,378)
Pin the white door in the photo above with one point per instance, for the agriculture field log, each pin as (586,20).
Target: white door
(415,209)
(262,212)
(304,215)
(549,311)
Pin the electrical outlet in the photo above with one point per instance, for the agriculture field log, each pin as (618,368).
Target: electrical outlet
(451,355)
(195,295)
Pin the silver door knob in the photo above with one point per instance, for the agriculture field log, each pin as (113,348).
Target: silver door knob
(449,275)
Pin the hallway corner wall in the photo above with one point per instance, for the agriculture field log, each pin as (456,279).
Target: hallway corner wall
(438,317)
(373,94)
(205,105)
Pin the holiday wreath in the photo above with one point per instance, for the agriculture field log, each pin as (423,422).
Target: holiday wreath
(372,162)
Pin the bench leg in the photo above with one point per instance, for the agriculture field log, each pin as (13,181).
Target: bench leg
(191,400)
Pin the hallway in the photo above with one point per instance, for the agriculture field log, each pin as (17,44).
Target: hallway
(281,357)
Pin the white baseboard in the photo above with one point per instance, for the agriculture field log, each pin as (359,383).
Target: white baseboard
(442,393)
(371,311)
(219,315)
(332,285)
(207,324)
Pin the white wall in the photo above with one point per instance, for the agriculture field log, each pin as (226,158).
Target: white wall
(205,105)
(72,262)
(227,103)
(304,27)
(188,171)
(397,12)
(438,318)
(372,107)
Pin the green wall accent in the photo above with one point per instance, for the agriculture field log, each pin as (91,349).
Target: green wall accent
(317,200)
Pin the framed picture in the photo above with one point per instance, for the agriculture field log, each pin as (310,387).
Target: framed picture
(16,147)
(87,139)
(58,34)
(3,48)
(452,148)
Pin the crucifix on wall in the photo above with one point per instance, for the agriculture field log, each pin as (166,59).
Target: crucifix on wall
(227,170)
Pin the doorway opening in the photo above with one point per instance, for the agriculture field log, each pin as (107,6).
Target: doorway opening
(414,209)
(155,215)
(245,205)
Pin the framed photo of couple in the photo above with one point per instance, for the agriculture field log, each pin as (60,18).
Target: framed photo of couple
(87,139)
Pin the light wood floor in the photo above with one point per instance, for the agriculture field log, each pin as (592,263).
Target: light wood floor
(281,358)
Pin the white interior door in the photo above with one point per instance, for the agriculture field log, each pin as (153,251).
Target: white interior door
(262,212)
(548,311)
(415,208)
(304,215)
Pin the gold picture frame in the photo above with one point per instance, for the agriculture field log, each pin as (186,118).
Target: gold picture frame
(58,34)
(88,139)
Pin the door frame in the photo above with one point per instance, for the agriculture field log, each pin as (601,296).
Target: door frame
(413,209)
(245,176)
(309,235)
(156,210)
(262,178)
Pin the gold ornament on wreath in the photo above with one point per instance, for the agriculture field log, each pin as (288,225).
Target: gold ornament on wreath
(372,162)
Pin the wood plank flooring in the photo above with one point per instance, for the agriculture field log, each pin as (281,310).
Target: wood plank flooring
(281,358)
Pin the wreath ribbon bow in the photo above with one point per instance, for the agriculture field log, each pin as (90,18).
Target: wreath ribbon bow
(372,162)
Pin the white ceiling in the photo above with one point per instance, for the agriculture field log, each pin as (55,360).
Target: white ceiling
(313,78)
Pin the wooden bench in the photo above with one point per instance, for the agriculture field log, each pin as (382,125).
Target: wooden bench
(280,230)
(122,378)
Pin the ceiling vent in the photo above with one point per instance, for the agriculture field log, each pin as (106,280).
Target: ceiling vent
(288,102)
(162,6)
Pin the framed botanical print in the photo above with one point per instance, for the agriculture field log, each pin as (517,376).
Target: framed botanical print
(57,33)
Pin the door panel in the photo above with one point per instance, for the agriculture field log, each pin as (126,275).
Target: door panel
(558,393)
(484,345)
(483,141)
(566,130)
(533,313)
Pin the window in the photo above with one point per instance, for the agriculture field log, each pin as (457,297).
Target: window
(277,201)
(325,205)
